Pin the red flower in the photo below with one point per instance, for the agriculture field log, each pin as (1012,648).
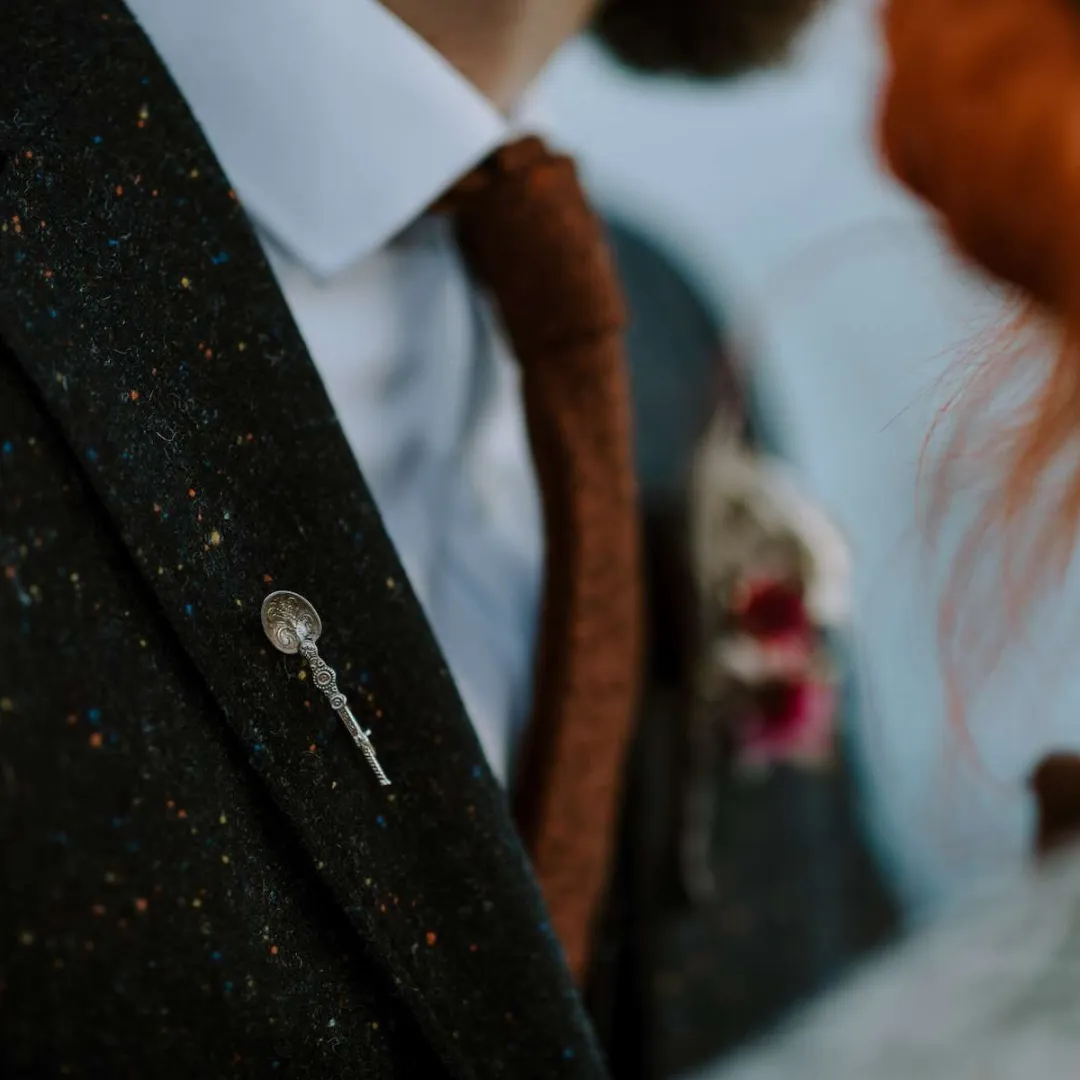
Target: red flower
(790,721)
(782,707)
(772,611)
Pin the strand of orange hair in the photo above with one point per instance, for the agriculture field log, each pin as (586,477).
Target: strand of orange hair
(979,119)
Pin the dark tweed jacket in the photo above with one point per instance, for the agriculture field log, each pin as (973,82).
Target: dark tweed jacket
(200,875)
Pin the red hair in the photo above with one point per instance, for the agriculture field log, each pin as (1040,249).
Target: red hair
(979,120)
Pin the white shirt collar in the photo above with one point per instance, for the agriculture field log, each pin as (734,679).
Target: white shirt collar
(336,124)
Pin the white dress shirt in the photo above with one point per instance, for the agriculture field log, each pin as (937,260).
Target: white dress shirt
(337,126)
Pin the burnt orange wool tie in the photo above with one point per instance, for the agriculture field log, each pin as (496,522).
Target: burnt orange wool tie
(530,238)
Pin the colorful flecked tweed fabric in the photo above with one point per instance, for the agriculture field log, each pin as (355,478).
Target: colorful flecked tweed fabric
(200,875)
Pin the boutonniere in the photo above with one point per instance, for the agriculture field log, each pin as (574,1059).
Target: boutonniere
(772,577)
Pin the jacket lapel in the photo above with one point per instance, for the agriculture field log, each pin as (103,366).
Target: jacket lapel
(135,296)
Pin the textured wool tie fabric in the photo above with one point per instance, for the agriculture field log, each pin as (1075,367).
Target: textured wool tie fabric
(530,238)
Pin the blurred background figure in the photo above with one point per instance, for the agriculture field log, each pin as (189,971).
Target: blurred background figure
(802,282)
(745,884)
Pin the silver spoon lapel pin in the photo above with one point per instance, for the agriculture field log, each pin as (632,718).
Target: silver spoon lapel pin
(293,626)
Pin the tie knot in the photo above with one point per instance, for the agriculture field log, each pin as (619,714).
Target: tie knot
(529,236)
(515,160)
